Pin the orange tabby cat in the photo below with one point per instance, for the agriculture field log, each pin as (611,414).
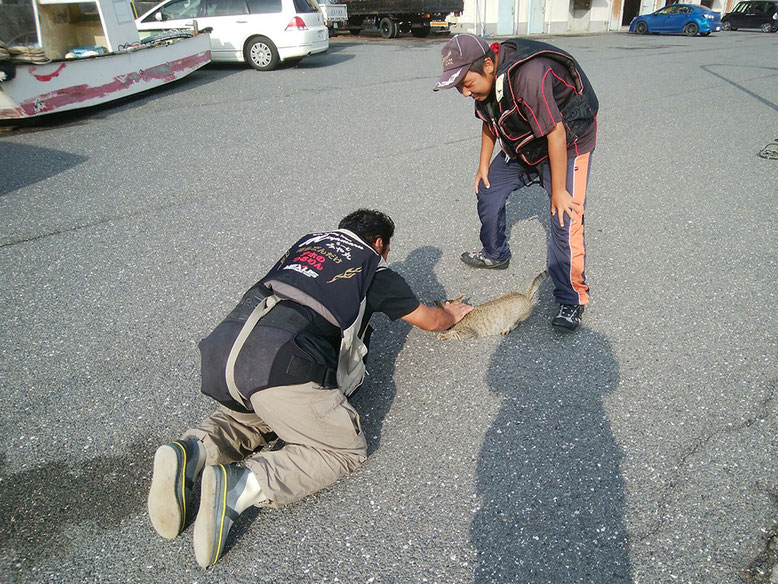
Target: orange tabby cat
(499,316)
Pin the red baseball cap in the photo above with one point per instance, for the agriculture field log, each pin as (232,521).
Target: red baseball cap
(457,55)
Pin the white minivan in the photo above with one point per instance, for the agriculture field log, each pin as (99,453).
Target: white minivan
(260,32)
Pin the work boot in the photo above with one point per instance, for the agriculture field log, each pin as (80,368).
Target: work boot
(569,317)
(226,491)
(176,467)
(477,259)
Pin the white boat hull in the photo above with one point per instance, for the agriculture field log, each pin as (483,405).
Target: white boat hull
(65,85)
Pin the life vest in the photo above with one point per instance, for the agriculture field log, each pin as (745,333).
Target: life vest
(507,121)
(328,273)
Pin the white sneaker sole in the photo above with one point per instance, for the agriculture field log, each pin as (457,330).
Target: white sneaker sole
(164,510)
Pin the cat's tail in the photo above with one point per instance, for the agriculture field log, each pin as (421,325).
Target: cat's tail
(533,288)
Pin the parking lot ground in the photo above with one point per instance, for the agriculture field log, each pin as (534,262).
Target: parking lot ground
(642,448)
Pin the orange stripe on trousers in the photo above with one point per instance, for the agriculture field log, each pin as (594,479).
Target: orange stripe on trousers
(576,232)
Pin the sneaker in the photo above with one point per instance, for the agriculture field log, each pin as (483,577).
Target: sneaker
(176,467)
(569,317)
(476,259)
(222,486)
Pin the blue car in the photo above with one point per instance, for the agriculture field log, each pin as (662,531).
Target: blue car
(689,19)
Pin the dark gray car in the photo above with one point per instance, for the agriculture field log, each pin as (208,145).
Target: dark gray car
(761,14)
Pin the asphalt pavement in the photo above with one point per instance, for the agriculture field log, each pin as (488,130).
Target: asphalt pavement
(643,448)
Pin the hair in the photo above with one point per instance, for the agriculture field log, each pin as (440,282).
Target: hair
(369,225)
(477,66)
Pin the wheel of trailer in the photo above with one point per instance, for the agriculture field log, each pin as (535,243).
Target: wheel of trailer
(420,31)
(261,53)
(355,31)
(641,27)
(691,29)
(388,28)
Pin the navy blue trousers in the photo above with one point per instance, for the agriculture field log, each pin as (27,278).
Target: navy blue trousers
(566,246)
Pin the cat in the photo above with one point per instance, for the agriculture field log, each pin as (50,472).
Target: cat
(500,315)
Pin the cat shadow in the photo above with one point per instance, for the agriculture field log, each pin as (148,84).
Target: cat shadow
(548,475)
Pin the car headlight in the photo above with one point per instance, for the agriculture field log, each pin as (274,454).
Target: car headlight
(708,16)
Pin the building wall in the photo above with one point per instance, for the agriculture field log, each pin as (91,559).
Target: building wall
(559,16)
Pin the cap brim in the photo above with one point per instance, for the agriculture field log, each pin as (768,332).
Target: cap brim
(451,77)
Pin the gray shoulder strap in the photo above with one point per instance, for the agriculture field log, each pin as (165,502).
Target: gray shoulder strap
(229,372)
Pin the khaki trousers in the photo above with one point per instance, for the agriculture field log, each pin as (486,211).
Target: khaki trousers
(321,431)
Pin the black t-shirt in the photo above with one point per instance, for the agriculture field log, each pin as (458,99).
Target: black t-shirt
(389,293)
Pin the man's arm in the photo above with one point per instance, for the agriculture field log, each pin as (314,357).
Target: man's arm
(487,149)
(434,319)
(561,200)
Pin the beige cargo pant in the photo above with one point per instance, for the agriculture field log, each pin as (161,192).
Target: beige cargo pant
(321,430)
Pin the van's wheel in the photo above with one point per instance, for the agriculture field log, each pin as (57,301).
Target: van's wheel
(691,29)
(420,31)
(261,53)
(767,27)
(727,26)
(641,27)
(388,28)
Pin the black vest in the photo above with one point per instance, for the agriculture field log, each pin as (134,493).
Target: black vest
(332,270)
(324,278)
(506,120)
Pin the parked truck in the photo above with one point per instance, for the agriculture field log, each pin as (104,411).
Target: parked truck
(392,17)
(335,15)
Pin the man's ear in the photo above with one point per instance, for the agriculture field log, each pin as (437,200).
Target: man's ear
(489,65)
(378,244)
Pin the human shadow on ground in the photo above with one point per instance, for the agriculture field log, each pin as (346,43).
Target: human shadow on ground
(22,165)
(41,505)
(374,399)
(548,475)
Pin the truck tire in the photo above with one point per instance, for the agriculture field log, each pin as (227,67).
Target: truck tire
(388,28)
(355,31)
(420,31)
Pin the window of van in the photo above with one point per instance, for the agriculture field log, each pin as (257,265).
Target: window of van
(225,7)
(176,10)
(264,6)
(305,6)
